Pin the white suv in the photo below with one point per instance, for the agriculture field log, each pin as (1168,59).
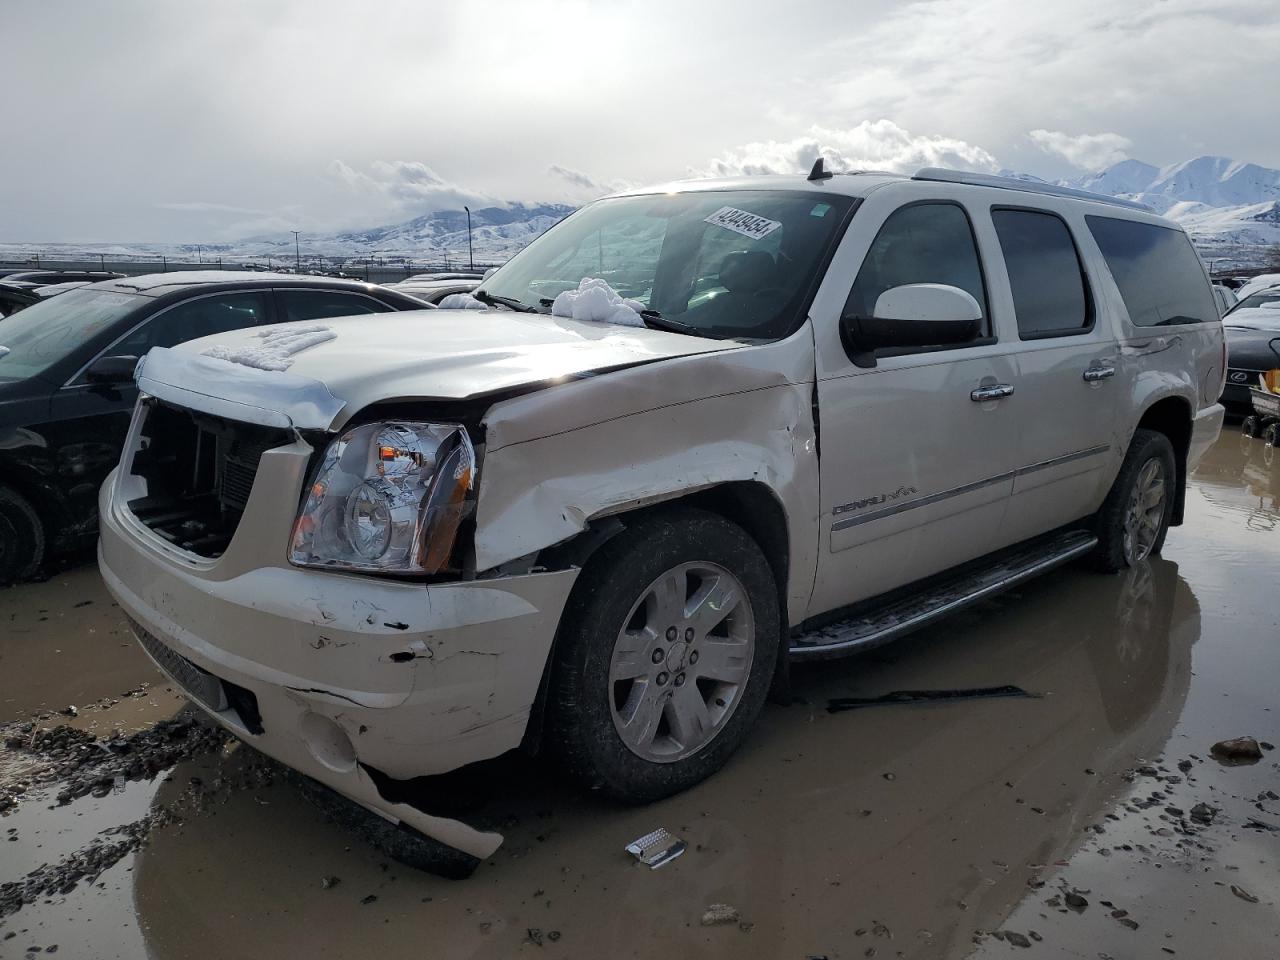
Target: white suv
(784,418)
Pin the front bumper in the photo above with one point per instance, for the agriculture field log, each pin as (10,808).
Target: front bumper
(347,672)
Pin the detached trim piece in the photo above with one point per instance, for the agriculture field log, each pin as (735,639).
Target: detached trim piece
(960,490)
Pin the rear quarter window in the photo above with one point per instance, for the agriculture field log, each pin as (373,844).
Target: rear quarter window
(1157,271)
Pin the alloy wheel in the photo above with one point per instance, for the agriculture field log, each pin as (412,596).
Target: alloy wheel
(681,662)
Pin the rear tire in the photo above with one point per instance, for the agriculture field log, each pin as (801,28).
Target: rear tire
(1134,519)
(665,655)
(21,538)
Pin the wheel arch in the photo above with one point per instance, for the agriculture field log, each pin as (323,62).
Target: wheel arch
(1172,416)
(750,505)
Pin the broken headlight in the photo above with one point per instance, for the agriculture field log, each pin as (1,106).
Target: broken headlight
(388,498)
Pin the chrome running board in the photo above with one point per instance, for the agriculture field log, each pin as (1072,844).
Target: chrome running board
(904,614)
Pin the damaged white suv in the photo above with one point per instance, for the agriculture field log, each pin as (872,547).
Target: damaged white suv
(785,418)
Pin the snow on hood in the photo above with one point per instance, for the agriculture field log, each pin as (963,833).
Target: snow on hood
(449,354)
(596,301)
(273,348)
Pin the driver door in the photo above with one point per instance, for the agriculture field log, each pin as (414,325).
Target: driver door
(916,471)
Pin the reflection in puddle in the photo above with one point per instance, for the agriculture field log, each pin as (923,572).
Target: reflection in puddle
(905,829)
(804,833)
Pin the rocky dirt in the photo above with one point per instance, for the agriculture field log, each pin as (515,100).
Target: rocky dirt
(1094,819)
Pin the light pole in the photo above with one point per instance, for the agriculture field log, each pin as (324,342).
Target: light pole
(471,260)
(297,253)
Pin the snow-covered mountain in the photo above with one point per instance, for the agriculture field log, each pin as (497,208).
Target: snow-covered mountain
(1231,209)
(496,234)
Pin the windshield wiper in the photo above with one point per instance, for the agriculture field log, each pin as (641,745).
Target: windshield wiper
(656,321)
(511,303)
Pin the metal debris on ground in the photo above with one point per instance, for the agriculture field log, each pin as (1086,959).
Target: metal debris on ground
(719,913)
(657,848)
(837,704)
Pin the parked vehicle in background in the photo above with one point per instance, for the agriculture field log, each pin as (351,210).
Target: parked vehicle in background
(433,291)
(43,277)
(1261,282)
(67,390)
(1252,329)
(1225,297)
(16,296)
(417,277)
(802,417)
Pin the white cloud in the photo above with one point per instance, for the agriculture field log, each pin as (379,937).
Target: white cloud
(575,178)
(406,187)
(871,145)
(1088,151)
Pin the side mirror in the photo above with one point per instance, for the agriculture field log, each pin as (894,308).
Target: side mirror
(111,371)
(489,273)
(913,315)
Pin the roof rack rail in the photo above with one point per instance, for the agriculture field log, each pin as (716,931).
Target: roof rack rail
(943,175)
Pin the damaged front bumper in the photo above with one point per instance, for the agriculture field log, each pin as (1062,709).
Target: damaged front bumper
(338,675)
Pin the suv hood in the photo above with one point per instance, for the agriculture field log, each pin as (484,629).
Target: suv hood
(437,354)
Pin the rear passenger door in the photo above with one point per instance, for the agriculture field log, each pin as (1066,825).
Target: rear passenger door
(1066,381)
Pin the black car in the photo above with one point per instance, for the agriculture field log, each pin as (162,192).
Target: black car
(1252,328)
(67,391)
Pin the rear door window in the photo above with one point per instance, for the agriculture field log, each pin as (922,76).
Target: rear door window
(1160,277)
(1050,296)
(321,304)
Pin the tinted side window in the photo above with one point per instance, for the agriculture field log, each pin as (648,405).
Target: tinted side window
(1157,270)
(922,243)
(1049,291)
(195,318)
(319,304)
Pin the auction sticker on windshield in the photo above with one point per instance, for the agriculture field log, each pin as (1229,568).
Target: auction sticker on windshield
(740,221)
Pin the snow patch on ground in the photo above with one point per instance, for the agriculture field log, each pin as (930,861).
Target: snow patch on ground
(596,301)
(461,301)
(276,348)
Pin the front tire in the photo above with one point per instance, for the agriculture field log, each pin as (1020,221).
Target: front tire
(21,538)
(1134,518)
(665,655)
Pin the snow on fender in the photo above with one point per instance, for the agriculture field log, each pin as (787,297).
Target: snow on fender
(596,301)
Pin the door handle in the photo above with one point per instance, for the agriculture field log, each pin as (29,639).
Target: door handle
(1094,374)
(994,391)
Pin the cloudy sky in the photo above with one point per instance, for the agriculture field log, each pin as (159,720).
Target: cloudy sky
(166,121)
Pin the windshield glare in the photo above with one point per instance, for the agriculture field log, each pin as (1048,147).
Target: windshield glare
(724,263)
(44,333)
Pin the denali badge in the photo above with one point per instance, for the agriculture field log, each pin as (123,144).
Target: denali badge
(873,501)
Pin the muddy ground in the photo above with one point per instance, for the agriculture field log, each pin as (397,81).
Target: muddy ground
(1090,821)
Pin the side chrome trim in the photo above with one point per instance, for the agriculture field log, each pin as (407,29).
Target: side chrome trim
(918,502)
(962,489)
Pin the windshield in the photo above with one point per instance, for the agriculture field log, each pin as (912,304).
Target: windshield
(1266,298)
(38,337)
(727,264)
